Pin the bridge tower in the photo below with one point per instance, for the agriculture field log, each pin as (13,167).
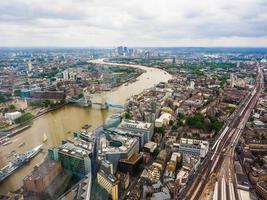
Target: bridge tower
(87,98)
(104,104)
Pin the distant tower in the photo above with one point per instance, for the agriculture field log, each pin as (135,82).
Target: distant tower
(173,61)
(65,75)
(192,85)
(87,97)
(238,64)
(232,80)
(29,66)
(120,50)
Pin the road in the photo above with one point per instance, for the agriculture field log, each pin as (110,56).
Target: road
(219,162)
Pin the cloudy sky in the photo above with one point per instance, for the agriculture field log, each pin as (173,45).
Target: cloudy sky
(93,23)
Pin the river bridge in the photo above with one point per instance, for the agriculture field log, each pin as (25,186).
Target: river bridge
(104,105)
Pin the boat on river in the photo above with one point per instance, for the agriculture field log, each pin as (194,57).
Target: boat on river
(45,138)
(21,144)
(4,140)
(87,126)
(20,160)
(7,143)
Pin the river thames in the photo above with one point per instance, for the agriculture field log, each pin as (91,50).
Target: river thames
(60,124)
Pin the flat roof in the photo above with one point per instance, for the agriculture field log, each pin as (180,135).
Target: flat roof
(243,195)
(133,159)
(73,150)
(41,170)
(135,124)
(263,184)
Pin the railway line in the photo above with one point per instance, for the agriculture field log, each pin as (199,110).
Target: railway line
(225,143)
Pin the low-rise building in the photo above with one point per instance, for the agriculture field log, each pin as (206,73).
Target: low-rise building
(191,162)
(163,120)
(150,147)
(42,176)
(176,157)
(163,195)
(153,173)
(138,126)
(124,180)
(261,189)
(52,95)
(182,177)
(13,115)
(170,169)
(81,190)
(131,164)
(194,147)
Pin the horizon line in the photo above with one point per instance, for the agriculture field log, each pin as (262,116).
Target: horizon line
(107,47)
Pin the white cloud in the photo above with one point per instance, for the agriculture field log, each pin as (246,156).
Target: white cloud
(133,23)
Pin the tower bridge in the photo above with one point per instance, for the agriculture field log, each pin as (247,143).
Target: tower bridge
(88,101)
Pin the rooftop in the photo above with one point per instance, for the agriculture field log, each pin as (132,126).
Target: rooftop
(72,150)
(263,184)
(126,143)
(111,178)
(41,170)
(135,124)
(133,159)
(150,145)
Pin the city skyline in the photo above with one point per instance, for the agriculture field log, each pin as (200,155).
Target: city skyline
(133,99)
(126,123)
(133,23)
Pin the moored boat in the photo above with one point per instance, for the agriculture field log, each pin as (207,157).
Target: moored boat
(45,138)
(21,144)
(87,126)
(7,143)
(20,160)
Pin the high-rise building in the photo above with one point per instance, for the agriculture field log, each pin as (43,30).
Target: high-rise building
(116,147)
(29,66)
(192,85)
(106,167)
(73,158)
(232,80)
(120,49)
(65,75)
(110,183)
